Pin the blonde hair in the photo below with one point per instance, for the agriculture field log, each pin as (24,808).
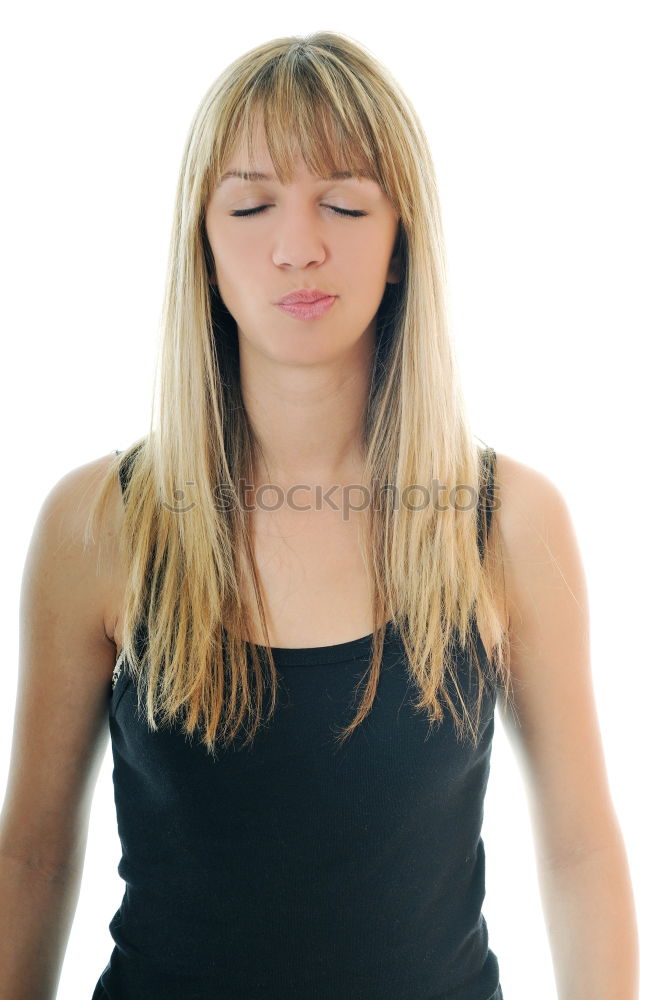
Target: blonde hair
(327,97)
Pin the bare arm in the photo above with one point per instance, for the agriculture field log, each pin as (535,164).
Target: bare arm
(582,866)
(36,913)
(591,924)
(60,735)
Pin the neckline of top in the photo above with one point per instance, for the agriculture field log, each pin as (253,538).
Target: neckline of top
(353,649)
(296,656)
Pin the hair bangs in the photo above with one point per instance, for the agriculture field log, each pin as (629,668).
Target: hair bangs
(307,115)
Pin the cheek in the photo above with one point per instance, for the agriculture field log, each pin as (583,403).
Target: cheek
(240,286)
(231,256)
(365,250)
(238,257)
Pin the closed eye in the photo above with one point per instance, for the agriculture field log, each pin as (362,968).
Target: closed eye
(340,211)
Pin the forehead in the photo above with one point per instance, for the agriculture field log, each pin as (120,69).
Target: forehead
(250,161)
(257,175)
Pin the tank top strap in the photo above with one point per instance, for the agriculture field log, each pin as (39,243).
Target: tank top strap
(486,499)
(124,477)
(126,466)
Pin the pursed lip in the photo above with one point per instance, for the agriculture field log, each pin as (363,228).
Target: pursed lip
(304,295)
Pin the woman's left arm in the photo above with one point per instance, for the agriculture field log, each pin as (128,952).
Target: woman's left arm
(582,865)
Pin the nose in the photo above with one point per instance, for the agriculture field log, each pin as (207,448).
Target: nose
(298,242)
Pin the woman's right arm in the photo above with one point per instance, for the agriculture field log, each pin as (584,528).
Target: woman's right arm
(66,658)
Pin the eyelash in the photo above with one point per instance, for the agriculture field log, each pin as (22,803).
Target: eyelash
(353,214)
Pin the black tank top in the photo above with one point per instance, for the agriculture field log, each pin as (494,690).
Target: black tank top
(297,869)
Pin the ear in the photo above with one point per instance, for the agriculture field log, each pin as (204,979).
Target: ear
(396,268)
(395,271)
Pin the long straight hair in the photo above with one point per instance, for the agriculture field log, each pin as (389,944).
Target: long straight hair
(329,98)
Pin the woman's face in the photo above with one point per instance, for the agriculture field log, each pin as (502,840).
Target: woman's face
(298,241)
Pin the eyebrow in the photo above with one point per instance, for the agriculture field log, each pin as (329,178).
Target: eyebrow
(245,175)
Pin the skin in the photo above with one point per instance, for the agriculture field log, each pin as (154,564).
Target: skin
(304,383)
(310,380)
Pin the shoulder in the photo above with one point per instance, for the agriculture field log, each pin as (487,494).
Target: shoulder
(72,498)
(529,509)
(521,487)
(65,532)
(533,534)
(544,582)
(70,491)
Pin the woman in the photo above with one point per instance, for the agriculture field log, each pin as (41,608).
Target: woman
(307,591)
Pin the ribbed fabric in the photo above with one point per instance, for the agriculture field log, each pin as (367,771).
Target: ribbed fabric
(298,869)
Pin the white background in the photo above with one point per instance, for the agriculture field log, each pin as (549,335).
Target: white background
(545,126)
